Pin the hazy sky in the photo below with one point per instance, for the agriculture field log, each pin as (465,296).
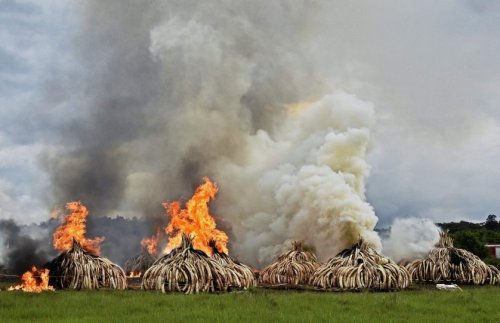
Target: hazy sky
(430,68)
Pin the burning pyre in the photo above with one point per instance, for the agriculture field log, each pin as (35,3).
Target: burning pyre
(79,266)
(136,266)
(292,268)
(197,258)
(187,270)
(360,267)
(77,269)
(34,281)
(446,263)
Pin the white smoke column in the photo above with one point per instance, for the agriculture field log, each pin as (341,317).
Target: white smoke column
(307,184)
(410,238)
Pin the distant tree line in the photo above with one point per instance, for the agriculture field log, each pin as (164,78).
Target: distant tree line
(474,236)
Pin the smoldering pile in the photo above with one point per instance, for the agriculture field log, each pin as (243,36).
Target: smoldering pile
(186,270)
(79,269)
(139,263)
(292,268)
(360,267)
(446,263)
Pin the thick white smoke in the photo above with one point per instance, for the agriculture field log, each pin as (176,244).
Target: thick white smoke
(410,238)
(308,184)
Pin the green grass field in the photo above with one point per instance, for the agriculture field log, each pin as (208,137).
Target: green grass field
(470,305)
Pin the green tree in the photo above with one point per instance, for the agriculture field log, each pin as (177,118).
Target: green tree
(491,222)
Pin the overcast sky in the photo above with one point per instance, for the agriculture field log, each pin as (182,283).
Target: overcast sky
(431,69)
(34,39)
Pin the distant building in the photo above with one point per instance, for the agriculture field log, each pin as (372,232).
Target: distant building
(494,250)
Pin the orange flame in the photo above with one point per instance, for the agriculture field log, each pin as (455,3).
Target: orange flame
(196,220)
(151,243)
(74,228)
(31,284)
(134,274)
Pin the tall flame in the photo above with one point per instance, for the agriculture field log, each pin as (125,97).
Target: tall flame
(31,284)
(195,220)
(151,243)
(74,228)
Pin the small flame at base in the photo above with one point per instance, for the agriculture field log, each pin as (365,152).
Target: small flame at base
(31,284)
(135,274)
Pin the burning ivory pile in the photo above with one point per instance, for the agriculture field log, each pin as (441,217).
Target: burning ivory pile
(136,266)
(185,270)
(360,267)
(199,261)
(293,268)
(139,264)
(448,264)
(76,269)
(79,266)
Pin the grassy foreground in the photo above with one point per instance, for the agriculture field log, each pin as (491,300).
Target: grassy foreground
(471,305)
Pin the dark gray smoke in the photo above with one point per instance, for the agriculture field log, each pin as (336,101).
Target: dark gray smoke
(122,236)
(118,84)
(19,251)
(170,89)
(26,245)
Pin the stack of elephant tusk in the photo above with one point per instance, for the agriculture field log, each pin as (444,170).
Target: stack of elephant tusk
(79,269)
(238,275)
(293,268)
(360,267)
(446,263)
(139,263)
(185,270)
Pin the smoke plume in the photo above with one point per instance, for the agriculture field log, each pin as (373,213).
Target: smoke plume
(22,246)
(410,238)
(309,183)
(173,91)
(18,250)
